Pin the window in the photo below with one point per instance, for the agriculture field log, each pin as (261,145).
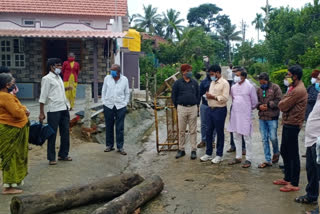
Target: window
(12,53)
(28,22)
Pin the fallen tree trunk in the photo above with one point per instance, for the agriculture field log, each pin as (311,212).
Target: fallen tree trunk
(134,198)
(102,190)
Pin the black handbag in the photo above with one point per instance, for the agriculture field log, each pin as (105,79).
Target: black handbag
(39,133)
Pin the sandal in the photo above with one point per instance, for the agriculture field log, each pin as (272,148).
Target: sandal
(52,162)
(11,191)
(65,159)
(316,211)
(231,150)
(280,182)
(122,152)
(304,200)
(108,149)
(264,165)
(246,164)
(235,161)
(289,188)
(275,158)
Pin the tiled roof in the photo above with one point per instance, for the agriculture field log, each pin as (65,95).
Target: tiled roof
(60,34)
(146,36)
(66,7)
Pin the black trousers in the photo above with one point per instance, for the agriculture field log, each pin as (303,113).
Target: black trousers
(59,119)
(313,173)
(290,153)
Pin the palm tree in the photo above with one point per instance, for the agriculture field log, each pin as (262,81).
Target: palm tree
(149,19)
(228,33)
(258,21)
(172,22)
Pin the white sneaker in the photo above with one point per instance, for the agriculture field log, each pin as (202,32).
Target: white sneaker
(217,159)
(205,158)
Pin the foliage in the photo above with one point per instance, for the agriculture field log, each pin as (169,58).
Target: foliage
(166,71)
(146,46)
(258,22)
(146,64)
(197,66)
(149,19)
(203,16)
(277,77)
(311,58)
(307,76)
(173,24)
(258,67)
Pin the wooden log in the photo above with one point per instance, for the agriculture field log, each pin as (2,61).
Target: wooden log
(134,198)
(104,189)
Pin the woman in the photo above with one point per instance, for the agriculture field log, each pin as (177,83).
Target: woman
(70,73)
(14,134)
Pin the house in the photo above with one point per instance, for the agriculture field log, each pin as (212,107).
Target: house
(156,40)
(33,31)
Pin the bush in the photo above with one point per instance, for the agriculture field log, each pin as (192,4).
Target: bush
(166,71)
(307,76)
(258,67)
(277,77)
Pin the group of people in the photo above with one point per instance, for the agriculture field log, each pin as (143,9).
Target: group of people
(211,99)
(58,90)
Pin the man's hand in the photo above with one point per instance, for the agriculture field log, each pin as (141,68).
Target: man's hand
(42,116)
(69,88)
(209,96)
(263,107)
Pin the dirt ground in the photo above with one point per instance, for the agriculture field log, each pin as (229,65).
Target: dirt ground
(191,187)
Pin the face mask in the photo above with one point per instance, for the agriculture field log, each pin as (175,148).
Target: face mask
(264,86)
(11,88)
(57,71)
(317,85)
(213,78)
(113,73)
(70,59)
(288,81)
(313,80)
(189,74)
(237,79)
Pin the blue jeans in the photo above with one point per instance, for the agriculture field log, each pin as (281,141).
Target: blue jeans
(203,119)
(215,121)
(268,130)
(114,117)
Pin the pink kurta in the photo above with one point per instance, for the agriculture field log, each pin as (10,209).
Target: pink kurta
(244,100)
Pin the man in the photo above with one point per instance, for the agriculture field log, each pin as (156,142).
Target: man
(230,75)
(313,168)
(293,105)
(269,96)
(204,87)
(216,113)
(232,145)
(186,98)
(53,95)
(244,100)
(115,98)
(70,73)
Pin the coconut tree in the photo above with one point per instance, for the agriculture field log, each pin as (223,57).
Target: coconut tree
(258,22)
(172,22)
(228,33)
(149,19)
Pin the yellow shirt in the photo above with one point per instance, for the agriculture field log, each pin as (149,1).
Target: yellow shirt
(12,112)
(71,64)
(221,90)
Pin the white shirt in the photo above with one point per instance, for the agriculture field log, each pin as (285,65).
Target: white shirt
(229,72)
(115,93)
(53,93)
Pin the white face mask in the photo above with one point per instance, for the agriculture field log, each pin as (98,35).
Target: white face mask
(313,80)
(57,71)
(286,83)
(236,79)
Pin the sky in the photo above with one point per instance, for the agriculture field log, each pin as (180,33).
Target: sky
(236,9)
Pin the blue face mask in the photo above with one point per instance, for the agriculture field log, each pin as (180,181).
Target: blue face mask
(189,74)
(264,86)
(317,85)
(114,74)
(213,78)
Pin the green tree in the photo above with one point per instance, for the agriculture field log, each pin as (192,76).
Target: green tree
(149,19)
(228,33)
(172,22)
(258,22)
(204,16)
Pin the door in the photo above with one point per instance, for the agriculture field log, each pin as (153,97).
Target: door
(131,68)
